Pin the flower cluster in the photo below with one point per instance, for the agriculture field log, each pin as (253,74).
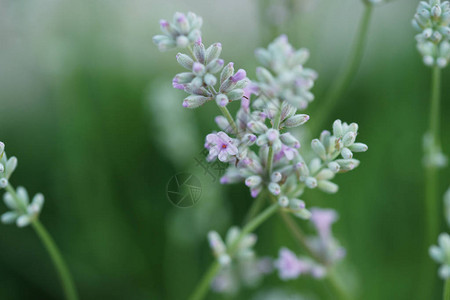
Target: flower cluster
(288,80)
(7,166)
(291,267)
(233,247)
(22,212)
(326,248)
(432,19)
(441,254)
(183,31)
(262,153)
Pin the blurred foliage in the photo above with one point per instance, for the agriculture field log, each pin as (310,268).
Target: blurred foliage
(76,78)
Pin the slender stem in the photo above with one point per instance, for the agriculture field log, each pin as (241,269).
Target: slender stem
(60,265)
(446,295)
(333,281)
(230,120)
(202,288)
(275,125)
(49,244)
(256,207)
(345,77)
(432,197)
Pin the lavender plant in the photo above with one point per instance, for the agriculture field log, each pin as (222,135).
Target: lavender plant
(24,212)
(260,150)
(441,253)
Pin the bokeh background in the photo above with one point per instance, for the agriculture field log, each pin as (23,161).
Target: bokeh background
(86,105)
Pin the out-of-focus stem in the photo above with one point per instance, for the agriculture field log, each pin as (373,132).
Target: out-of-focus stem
(446,295)
(276,125)
(202,288)
(432,182)
(345,77)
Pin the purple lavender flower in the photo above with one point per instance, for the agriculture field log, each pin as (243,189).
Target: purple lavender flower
(322,220)
(288,265)
(220,145)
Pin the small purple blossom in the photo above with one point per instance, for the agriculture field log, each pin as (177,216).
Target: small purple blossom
(322,220)
(288,265)
(220,145)
(240,75)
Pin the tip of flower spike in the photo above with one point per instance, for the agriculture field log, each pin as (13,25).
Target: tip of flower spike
(164,23)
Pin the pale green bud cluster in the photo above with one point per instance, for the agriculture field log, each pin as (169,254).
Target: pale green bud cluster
(22,210)
(432,19)
(283,75)
(183,31)
(221,248)
(334,154)
(7,166)
(441,254)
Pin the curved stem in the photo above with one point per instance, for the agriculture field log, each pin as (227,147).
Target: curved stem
(345,77)
(337,286)
(275,125)
(202,288)
(226,113)
(432,194)
(256,207)
(49,244)
(446,295)
(60,265)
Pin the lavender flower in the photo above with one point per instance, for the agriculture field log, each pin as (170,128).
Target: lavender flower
(181,32)
(291,267)
(220,146)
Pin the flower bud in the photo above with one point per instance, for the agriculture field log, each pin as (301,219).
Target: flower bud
(213,52)
(319,149)
(296,204)
(226,72)
(198,69)
(2,168)
(11,165)
(289,140)
(358,147)
(327,186)
(199,52)
(274,188)
(346,153)
(257,127)
(253,181)
(337,128)
(182,41)
(276,177)
(311,182)
(296,120)
(349,138)
(194,101)
(347,164)
(210,79)
(236,94)
(3,183)
(264,75)
(334,167)
(272,135)
(325,174)
(215,66)
(240,75)
(222,100)
(283,201)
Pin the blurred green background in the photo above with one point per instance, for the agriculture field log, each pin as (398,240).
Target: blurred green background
(86,105)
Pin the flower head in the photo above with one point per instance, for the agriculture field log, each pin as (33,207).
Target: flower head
(181,32)
(432,19)
(441,254)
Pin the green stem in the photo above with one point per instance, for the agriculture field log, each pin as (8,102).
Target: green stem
(432,194)
(60,265)
(202,288)
(335,284)
(230,120)
(275,125)
(345,77)
(49,244)
(446,295)
(255,208)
